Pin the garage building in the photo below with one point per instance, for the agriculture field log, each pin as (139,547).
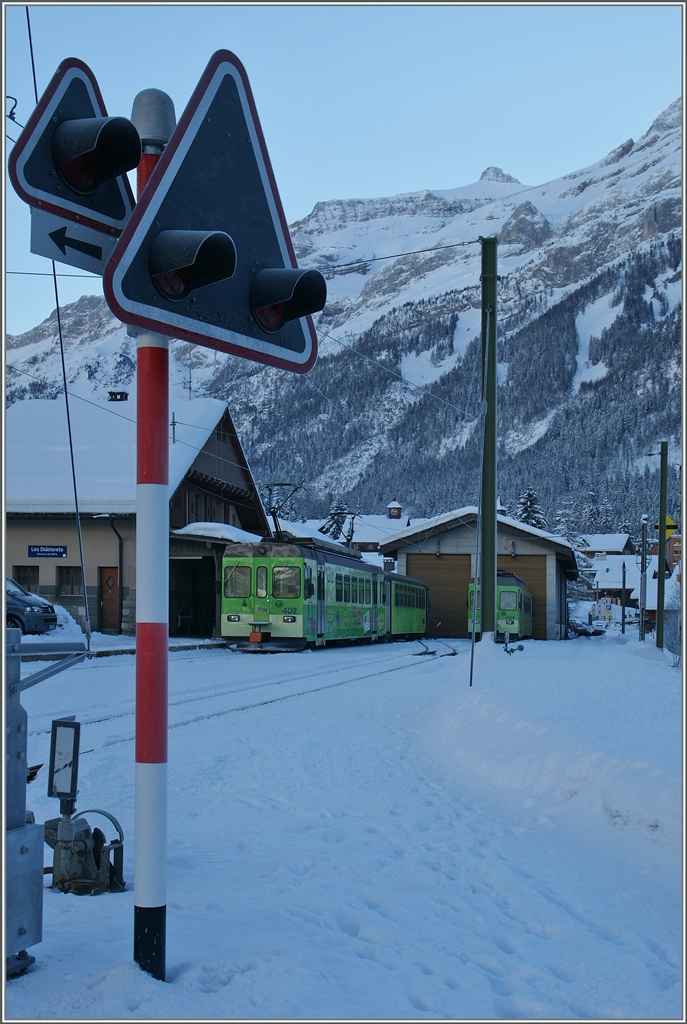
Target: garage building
(441,551)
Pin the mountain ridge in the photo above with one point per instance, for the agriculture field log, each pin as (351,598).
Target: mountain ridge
(590,281)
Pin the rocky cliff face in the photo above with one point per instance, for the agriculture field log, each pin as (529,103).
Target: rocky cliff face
(589,343)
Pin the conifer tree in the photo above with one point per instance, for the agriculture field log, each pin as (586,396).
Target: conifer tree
(529,510)
(334,523)
(605,517)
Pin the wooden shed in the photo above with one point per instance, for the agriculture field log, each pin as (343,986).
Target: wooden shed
(441,551)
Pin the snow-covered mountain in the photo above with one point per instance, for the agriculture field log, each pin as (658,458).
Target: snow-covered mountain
(589,344)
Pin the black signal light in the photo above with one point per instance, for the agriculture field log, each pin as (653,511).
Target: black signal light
(92,150)
(179,261)
(277,296)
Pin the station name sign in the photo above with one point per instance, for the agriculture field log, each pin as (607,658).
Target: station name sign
(47,550)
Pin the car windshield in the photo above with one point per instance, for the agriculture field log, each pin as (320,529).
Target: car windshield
(12,587)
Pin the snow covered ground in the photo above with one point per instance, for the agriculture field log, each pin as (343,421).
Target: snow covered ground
(356,833)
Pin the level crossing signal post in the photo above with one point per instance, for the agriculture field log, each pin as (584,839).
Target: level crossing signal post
(205,255)
(153,115)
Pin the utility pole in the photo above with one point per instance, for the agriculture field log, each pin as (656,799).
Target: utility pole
(488,484)
(622,600)
(642,583)
(662,515)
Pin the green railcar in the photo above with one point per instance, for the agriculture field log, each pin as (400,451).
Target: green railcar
(408,607)
(513,607)
(286,595)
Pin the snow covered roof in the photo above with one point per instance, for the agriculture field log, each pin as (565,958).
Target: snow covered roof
(38,465)
(462,515)
(609,542)
(608,575)
(608,572)
(218,531)
(366,529)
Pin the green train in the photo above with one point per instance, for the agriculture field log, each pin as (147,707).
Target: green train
(286,595)
(513,607)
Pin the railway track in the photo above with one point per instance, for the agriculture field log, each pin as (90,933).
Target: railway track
(292,681)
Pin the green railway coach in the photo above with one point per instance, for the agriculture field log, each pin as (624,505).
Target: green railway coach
(513,607)
(284,595)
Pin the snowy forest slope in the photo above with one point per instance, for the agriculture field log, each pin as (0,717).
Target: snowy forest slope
(590,306)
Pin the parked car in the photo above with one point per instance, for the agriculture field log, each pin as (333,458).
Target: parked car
(27,612)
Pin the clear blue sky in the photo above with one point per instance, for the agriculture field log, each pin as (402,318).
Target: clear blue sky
(365,101)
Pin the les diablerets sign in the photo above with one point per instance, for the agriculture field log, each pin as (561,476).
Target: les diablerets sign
(47,551)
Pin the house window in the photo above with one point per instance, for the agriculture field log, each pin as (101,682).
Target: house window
(69,580)
(200,508)
(26,576)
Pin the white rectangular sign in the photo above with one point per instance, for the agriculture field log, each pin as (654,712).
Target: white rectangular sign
(66,241)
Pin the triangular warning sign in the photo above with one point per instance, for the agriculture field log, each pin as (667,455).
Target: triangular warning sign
(72,95)
(213,179)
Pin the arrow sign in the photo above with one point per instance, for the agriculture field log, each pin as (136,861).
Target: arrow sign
(69,242)
(671,526)
(213,191)
(60,239)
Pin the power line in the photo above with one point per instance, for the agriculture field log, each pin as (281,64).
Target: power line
(393,373)
(46,273)
(394,256)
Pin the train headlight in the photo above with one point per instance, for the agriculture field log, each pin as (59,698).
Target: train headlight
(289,618)
(233,618)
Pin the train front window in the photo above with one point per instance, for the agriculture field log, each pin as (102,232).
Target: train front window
(261,581)
(237,581)
(286,581)
(472,599)
(508,600)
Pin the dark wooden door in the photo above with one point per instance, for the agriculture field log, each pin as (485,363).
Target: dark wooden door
(448,577)
(532,570)
(109,599)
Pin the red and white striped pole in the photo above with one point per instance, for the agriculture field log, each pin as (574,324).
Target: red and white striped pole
(153,115)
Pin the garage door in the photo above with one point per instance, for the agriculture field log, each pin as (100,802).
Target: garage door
(448,577)
(532,570)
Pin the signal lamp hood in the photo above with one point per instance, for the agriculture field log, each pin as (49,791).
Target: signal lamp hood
(179,261)
(92,150)
(277,296)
